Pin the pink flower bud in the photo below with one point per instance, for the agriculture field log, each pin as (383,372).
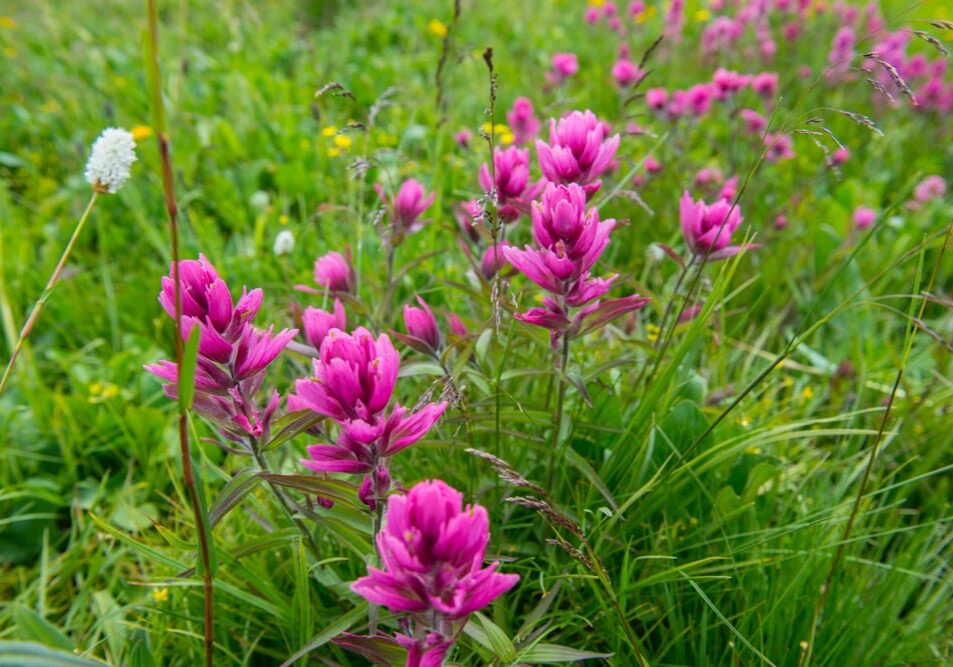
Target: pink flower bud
(422,325)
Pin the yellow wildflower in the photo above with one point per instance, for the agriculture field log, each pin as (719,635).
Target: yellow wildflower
(342,141)
(140,132)
(334,151)
(702,15)
(7,22)
(436,27)
(807,393)
(282,219)
(160,594)
(329,131)
(596,3)
(506,138)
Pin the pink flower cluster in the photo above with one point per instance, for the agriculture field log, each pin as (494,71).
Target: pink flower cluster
(332,272)
(405,208)
(432,550)
(510,182)
(697,100)
(568,241)
(707,228)
(352,384)
(578,150)
(232,353)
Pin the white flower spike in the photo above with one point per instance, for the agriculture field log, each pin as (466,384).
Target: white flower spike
(110,160)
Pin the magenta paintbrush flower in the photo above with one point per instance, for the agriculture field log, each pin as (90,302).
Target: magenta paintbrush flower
(318,323)
(332,272)
(361,446)
(708,228)
(864,217)
(423,334)
(656,98)
(354,376)
(765,84)
(206,299)
(493,259)
(522,121)
(432,551)
(406,207)
(233,354)
(510,180)
(626,73)
(565,65)
(569,239)
(578,151)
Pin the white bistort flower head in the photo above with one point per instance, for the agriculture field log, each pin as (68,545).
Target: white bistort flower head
(284,242)
(110,160)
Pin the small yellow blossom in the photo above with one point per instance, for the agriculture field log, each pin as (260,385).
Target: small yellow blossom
(788,381)
(140,132)
(282,219)
(804,645)
(807,393)
(652,332)
(500,127)
(702,15)
(7,22)
(506,138)
(596,3)
(436,27)
(746,421)
(753,450)
(329,131)
(95,389)
(342,141)
(160,594)
(334,151)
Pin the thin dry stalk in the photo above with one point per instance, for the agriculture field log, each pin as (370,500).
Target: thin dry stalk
(168,187)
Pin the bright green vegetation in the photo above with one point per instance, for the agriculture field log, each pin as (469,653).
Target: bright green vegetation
(715,549)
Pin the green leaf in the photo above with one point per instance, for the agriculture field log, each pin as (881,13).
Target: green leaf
(582,465)
(334,489)
(187,372)
(543,654)
(489,635)
(415,368)
(239,486)
(28,654)
(340,625)
(112,622)
(31,625)
(290,425)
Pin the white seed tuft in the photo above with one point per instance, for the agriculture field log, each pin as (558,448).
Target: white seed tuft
(284,242)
